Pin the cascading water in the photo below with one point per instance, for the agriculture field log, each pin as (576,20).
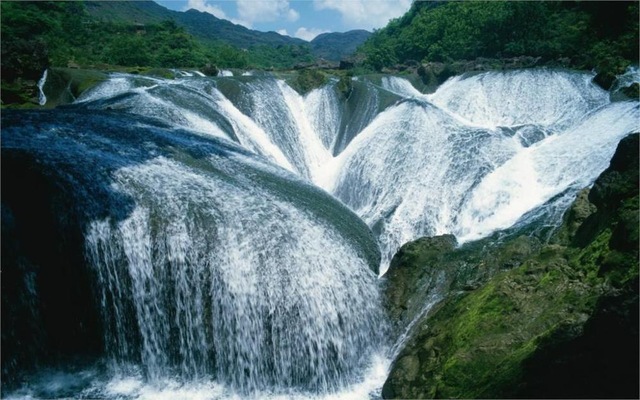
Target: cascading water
(42,98)
(450,140)
(218,271)
(468,159)
(220,266)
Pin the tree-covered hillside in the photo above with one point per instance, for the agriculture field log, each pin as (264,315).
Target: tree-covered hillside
(589,34)
(63,33)
(39,34)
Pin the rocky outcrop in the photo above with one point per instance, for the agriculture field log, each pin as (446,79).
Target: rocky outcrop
(560,321)
(434,264)
(64,85)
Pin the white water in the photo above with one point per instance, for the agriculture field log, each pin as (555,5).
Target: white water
(217,287)
(220,272)
(546,98)
(472,158)
(400,86)
(478,154)
(631,76)
(42,98)
(89,383)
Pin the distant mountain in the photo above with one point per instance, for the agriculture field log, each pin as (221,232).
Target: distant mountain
(207,27)
(203,26)
(336,46)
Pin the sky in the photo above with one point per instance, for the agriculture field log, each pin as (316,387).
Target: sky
(304,19)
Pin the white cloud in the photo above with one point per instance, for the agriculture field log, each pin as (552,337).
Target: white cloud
(202,5)
(282,32)
(265,11)
(365,14)
(308,34)
(293,15)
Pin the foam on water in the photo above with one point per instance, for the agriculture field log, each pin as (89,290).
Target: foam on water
(548,98)
(135,387)
(571,160)
(400,86)
(235,278)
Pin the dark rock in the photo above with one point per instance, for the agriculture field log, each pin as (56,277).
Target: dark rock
(632,91)
(579,211)
(605,79)
(210,70)
(346,64)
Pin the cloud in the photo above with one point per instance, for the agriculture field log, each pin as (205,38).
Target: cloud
(202,5)
(265,11)
(283,32)
(293,15)
(365,14)
(308,34)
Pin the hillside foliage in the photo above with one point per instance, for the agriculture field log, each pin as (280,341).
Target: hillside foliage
(591,34)
(38,34)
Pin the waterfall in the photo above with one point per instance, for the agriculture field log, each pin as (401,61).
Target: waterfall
(233,228)
(223,266)
(459,161)
(42,98)
(412,165)
(231,269)
(400,86)
(547,98)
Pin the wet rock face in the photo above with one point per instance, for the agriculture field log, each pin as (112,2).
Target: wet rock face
(412,276)
(559,320)
(430,268)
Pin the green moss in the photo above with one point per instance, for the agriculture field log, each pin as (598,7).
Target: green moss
(308,79)
(345,86)
(66,84)
(590,258)
(159,72)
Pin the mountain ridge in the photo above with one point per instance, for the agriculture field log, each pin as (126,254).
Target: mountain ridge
(208,28)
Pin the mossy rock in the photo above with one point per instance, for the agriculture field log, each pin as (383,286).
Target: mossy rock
(434,264)
(159,73)
(563,323)
(64,85)
(307,80)
(632,91)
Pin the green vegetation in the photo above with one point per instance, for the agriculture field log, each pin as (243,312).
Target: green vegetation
(40,34)
(589,34)
(70,37)
(307,80)
(560,321)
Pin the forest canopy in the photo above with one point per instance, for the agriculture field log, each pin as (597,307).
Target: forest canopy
(589,34)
